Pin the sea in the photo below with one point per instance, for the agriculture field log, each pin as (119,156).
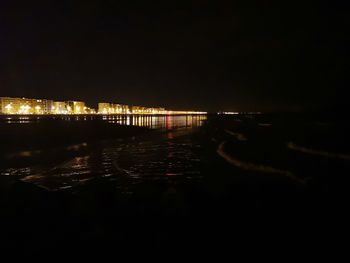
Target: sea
(88,184)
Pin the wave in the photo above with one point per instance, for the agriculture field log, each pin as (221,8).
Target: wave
(76,147)
(265,124)
(248,166)
(332,155)
(238,136)
(24,154)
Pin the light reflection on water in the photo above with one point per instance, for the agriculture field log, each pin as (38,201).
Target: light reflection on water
(157,122)
(150,121)
(167,155)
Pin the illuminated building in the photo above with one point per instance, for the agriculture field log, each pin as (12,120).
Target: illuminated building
(134,109)
(110,108)
(76,107)
(125,109)
(24,106)
(104,108)
(228,112)
(14,105)
(159,111)
(90,110)
(47,106)
(138,110)
(118,108)
(59,107)
(21,106)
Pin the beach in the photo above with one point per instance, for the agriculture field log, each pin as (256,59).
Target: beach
(186,186)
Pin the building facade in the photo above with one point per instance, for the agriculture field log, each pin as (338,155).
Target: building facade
(111,108)
(59,107)
(104,108)
(25,106)
(76,107)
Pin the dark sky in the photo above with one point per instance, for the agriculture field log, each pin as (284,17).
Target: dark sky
(206,55)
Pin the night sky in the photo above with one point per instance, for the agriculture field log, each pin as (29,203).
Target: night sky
(204,55)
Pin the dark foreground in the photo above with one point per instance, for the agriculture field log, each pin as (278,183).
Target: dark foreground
(263,182)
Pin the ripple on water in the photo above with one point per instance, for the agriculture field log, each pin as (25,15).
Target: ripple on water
(248,166)
(305,150)
(130,160)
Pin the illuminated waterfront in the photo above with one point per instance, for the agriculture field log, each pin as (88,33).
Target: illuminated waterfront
(24,106)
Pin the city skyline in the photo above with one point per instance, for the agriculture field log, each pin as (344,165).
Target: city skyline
(27,106)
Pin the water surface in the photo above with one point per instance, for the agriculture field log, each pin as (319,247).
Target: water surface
(168,153)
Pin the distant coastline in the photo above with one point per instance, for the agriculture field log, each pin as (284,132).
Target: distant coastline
(26,106)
